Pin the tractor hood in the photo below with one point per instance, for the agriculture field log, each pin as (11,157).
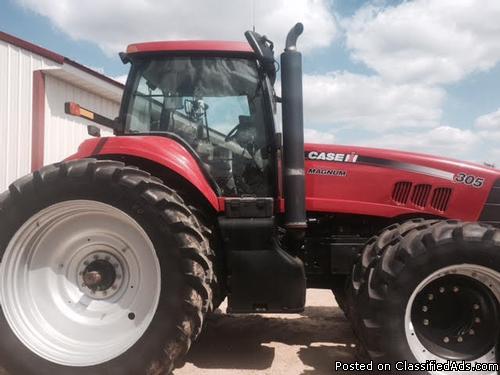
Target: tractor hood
(376,156)
(394,183)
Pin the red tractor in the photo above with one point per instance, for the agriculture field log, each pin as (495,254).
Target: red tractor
(112,259)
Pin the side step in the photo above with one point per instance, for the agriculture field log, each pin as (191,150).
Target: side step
(262,277)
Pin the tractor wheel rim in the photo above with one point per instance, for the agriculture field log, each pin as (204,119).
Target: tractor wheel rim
(471,294)
(79,283)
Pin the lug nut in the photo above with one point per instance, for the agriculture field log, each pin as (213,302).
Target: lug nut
(425,308)
(472,332)
(442,290)
(426,322)
(430,297)
(456,289)
(460,339)
(446,340)
(476,306)
(477,320)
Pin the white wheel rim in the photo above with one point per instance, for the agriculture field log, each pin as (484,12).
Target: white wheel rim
(41,291)
(486,276)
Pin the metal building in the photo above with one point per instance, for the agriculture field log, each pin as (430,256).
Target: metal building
(34,85)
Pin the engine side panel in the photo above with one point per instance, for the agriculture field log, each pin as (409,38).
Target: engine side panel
(385,183)
(161,150)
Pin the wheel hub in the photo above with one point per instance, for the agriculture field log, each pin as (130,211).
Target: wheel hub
(100,275)
(455,317)
(92,279)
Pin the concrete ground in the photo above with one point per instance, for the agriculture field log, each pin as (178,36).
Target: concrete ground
(307,343)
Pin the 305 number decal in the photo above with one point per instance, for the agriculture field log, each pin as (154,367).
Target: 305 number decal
(468,179)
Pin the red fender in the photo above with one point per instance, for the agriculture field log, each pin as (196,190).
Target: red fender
(162,150)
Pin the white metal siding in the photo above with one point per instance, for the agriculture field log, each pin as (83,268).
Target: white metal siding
(16,82)
(64,133)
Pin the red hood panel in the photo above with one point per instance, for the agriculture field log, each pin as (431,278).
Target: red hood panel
(403,156)
(391,183)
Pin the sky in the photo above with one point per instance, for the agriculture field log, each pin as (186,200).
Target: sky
(421,75)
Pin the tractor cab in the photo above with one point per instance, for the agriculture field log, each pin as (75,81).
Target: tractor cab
(217,100)
(220,104)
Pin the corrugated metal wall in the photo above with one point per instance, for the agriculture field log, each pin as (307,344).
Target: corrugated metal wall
(64,133)
(16,82)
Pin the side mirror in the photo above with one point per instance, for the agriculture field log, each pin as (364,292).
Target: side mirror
(264,49)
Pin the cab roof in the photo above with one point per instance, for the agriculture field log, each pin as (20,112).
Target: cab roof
(190,46)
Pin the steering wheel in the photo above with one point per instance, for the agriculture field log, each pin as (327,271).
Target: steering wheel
(245,122)
(232,133)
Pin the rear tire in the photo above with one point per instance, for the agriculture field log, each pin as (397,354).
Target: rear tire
(65,205)
(208,229)
(429,270)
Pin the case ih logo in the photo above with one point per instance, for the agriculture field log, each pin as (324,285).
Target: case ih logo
(332,156)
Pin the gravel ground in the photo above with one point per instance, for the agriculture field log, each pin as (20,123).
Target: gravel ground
(276,344)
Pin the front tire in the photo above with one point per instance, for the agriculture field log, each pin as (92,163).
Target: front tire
(104,271)
(433,295)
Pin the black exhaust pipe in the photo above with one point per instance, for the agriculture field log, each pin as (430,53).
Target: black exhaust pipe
(293,134)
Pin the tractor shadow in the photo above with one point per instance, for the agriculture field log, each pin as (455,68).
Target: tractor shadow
(319,336)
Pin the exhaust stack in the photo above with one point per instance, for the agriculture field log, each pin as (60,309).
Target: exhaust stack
(293,133)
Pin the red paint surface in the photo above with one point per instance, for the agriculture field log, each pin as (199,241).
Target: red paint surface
(368,189)
(365,190)
(193,46)
(161,150)
(38,121)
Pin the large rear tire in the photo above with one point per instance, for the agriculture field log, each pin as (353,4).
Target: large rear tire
(432,295)
(104,271)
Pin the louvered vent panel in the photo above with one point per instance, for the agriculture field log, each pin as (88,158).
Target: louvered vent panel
(420,195)
(440,199)
(401,192)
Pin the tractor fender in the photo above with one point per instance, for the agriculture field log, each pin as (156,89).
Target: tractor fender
(166,151)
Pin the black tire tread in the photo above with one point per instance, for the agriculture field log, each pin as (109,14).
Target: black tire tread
(209,233)
(170,208)
(367,258)
(409,240)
